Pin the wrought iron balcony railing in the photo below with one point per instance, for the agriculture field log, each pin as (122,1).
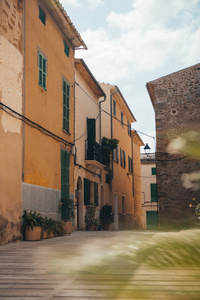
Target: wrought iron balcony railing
(94,151)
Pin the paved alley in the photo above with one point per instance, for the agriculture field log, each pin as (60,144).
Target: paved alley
(92,265)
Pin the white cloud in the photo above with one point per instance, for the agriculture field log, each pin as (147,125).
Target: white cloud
(72,3)
(93,4)
(144,39)
(153,39)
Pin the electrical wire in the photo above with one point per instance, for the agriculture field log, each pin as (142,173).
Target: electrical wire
(84,133)
(35,125)
(112,115)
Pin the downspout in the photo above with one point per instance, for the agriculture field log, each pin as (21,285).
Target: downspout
(23,88)
(100,118)
(111,124)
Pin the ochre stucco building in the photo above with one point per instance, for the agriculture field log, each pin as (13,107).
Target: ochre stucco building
(125,190)
(37,82)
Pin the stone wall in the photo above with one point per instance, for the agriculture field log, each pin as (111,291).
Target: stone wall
(176,100)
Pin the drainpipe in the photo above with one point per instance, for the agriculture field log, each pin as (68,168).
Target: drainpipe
(111,124)
(100,118)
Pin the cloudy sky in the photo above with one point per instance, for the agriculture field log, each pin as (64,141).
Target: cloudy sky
(131,42)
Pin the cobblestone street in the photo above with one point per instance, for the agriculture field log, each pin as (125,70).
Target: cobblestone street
(91,265)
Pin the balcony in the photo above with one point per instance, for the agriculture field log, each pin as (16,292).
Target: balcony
(94,155)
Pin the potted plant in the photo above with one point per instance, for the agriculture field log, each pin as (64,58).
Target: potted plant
(32,225)
(106,216)
(90,217)
(46,230)
(67,213)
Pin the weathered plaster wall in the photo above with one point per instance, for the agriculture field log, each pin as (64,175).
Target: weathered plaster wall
(11,70)
(85,108)
(177,109)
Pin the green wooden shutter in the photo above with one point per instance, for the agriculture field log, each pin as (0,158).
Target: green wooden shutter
(96,200)
(42,15)
(91,137)
(91,129)
(65,165)
(42,71)
(66,49)
(66,95)
(124,159)
(86,191)
(154,197)
(152,220)
(65,162)
(153,171)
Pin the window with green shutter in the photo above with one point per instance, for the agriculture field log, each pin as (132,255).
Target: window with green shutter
(66,94)
(42,16)
(65,163)
(154,197)
(42,70)
(122,118)
(66,49)
(96,197)
(114,108)
(86,191)
(153,171)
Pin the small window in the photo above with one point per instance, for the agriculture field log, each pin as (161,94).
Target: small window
(86,191)
(117,150)
(42,16)
(123,205)
(122,118)
(153,171)
(66,89)
(116,154)
(130,165)
(129,128)
(66,49)
(154,197)
(42,71)
(96,196)
(114,107)
(123,158)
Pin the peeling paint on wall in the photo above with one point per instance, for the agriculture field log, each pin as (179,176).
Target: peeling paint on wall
(10,84)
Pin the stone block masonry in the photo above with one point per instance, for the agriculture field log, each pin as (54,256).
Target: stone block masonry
(176,100)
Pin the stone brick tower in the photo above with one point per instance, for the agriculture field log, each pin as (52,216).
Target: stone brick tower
(176,101)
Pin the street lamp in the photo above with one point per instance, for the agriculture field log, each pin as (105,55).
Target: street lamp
(147,149)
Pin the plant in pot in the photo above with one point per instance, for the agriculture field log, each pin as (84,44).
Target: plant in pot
(106,216)
(67,213)
(90,217)
(46,229)
(32,225)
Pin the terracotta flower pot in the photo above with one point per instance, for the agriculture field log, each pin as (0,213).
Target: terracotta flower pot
(44,234)
(67,226)
(33,235)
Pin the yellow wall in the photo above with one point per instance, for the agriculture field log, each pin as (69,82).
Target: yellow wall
(122,184)
(137,143)
(42,153)
(11,62)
